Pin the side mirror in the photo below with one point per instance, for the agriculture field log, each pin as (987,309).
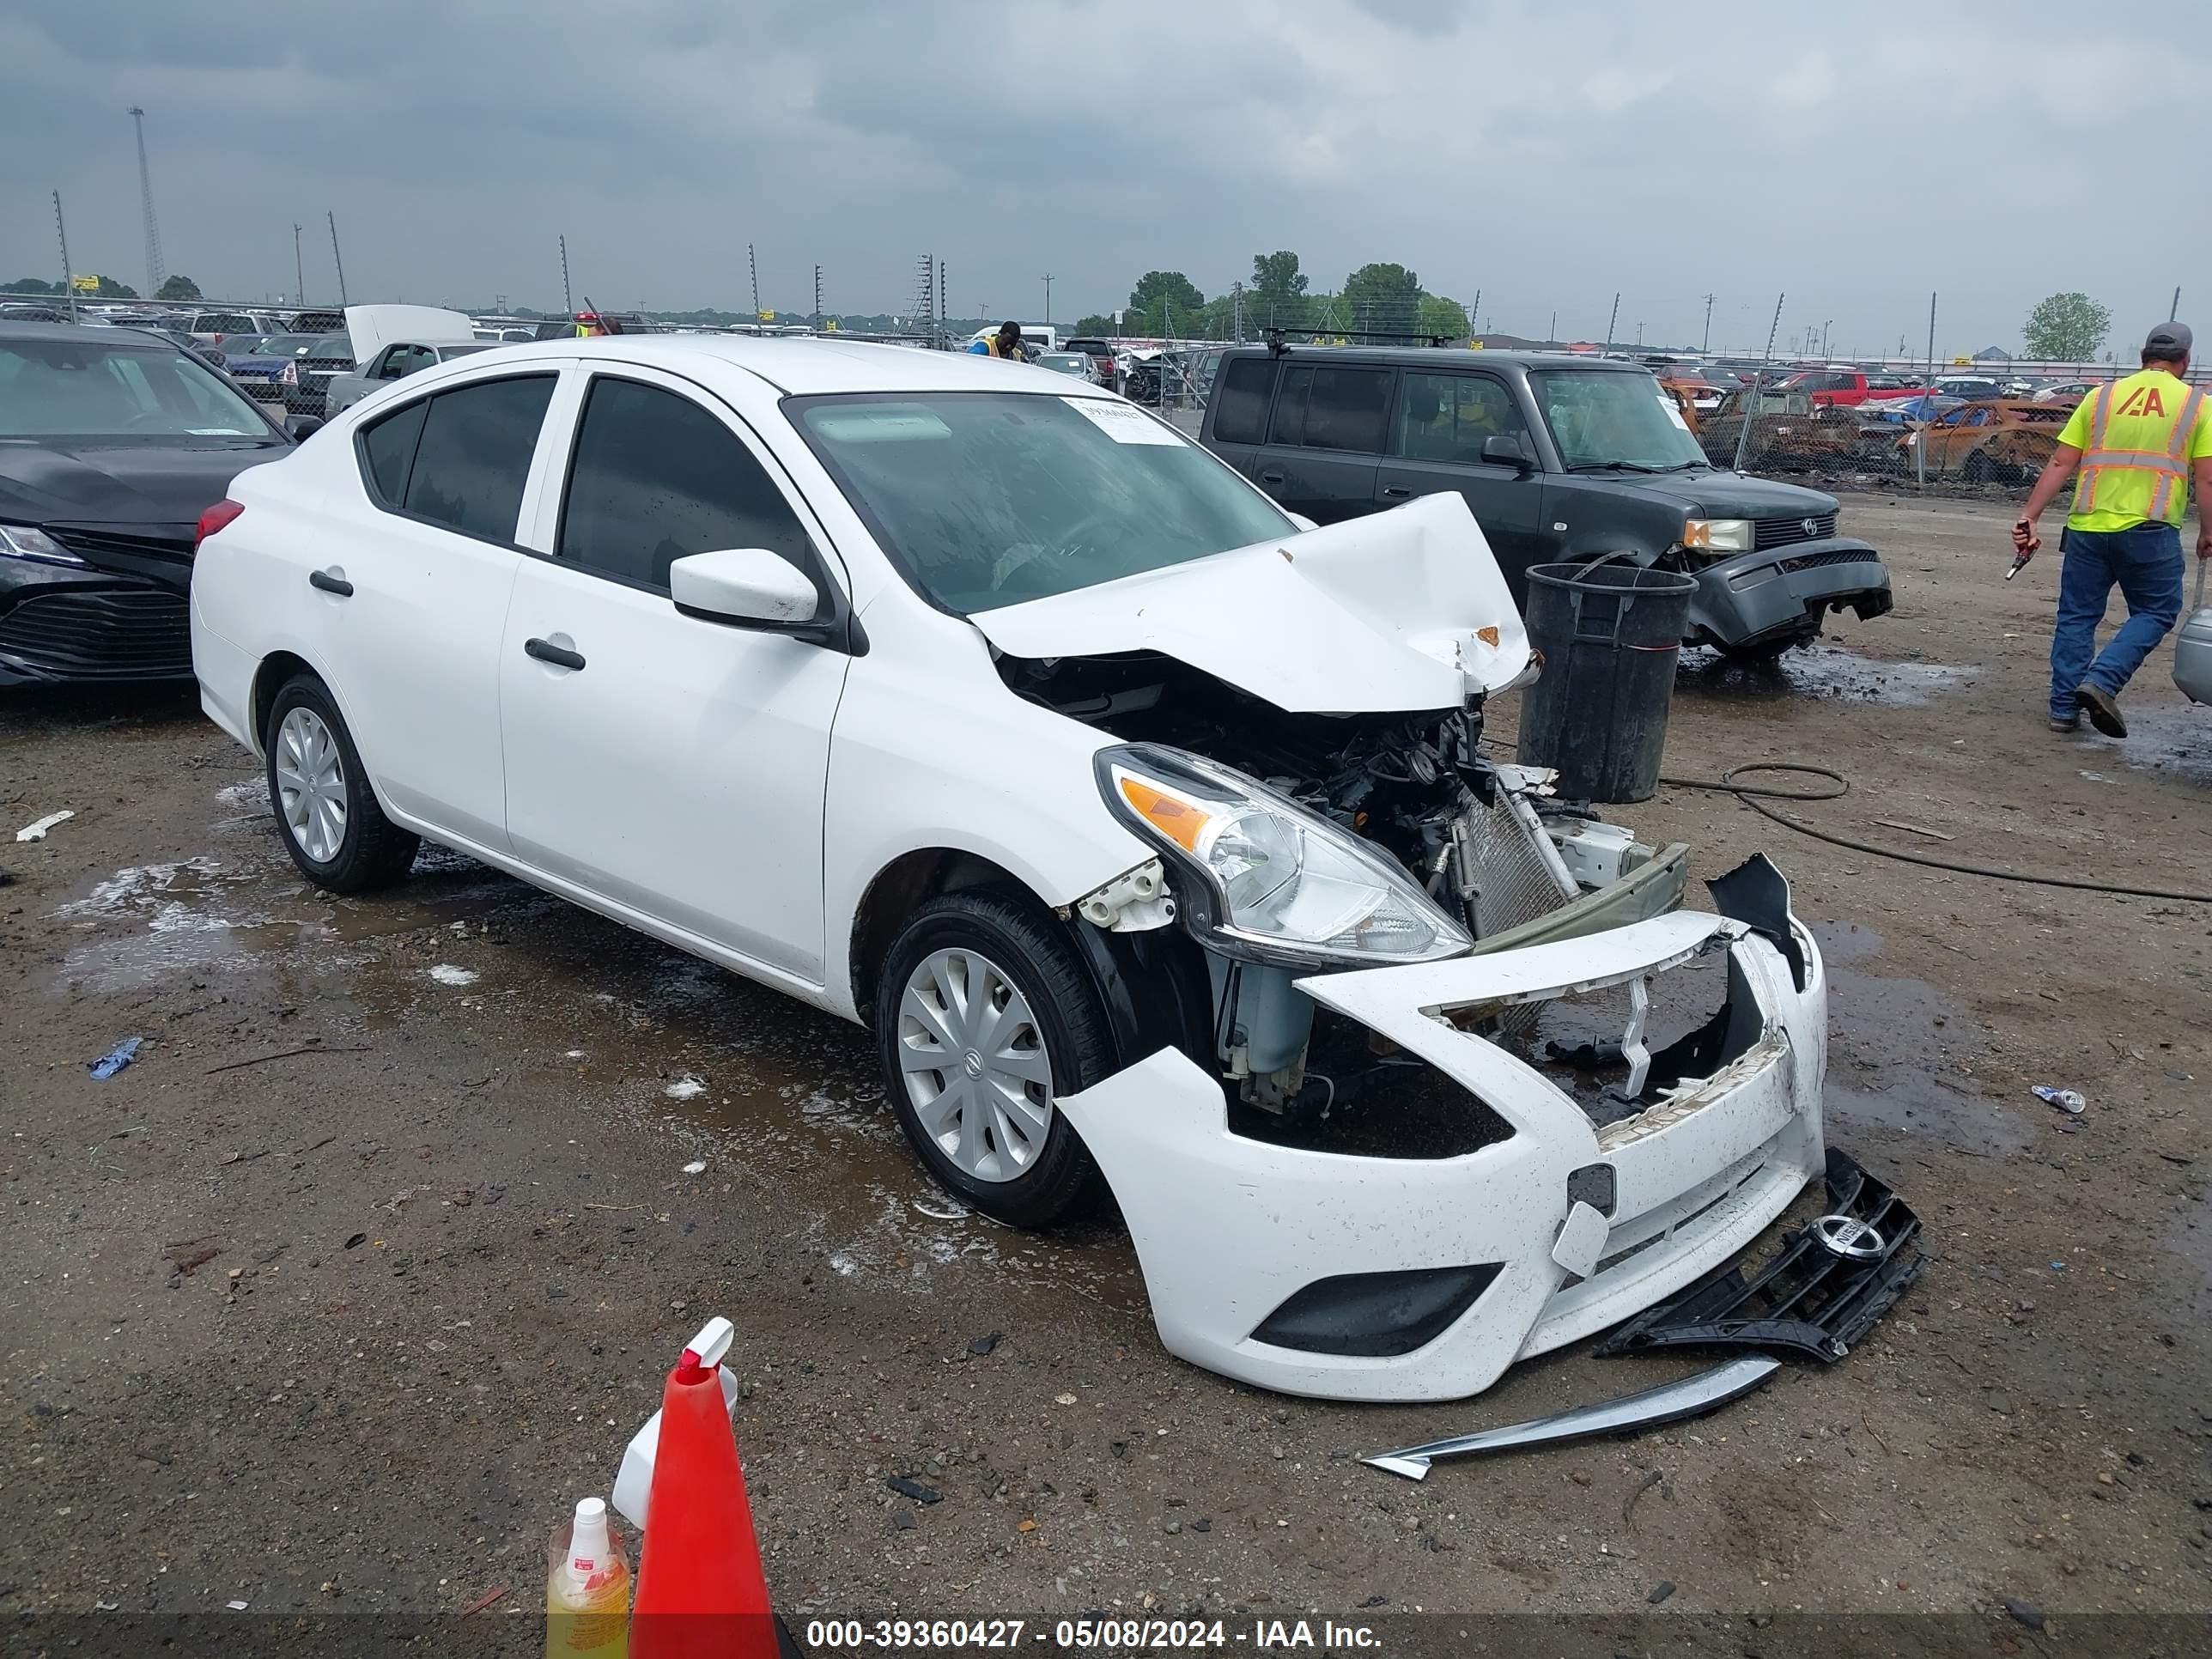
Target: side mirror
(1502,451)
(749,587)
(302,426)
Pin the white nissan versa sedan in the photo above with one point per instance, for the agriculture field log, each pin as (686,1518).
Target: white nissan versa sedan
(1145,827)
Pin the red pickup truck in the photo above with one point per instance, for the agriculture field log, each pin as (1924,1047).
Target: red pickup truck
(1841,388)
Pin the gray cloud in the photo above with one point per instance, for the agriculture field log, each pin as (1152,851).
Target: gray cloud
(1548,155)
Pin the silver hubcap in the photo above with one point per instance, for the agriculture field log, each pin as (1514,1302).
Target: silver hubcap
(974,1065)
(311,785)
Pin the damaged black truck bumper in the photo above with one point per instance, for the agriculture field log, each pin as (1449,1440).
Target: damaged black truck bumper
(1755,597)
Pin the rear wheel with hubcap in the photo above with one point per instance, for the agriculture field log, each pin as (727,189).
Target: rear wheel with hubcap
(326,811)
(983,1015)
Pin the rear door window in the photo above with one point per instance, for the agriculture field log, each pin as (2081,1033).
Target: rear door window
(1240,413)
(472,459)
(1347,409)
(388,452)
(1289,425)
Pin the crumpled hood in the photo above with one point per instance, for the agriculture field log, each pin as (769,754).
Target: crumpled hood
(54,481)
(1402,610)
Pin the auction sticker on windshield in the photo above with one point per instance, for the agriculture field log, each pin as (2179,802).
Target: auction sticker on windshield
(1123,424)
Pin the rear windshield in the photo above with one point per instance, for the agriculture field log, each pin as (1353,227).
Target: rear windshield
(89,389)
(988,499)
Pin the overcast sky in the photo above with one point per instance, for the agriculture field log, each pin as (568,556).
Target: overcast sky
(1855,157)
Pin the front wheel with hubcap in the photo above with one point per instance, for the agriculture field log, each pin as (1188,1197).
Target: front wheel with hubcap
(983,1014)
(326,811)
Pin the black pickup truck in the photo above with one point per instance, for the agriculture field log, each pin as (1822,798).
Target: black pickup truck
(1561,458)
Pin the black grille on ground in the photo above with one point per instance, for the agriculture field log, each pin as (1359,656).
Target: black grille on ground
(100,635)
(1781,533)
(1818,560)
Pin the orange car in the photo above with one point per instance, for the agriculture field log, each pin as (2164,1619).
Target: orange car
(2005,441)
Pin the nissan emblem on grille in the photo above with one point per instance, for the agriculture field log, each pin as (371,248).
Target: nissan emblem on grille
(1848,1237)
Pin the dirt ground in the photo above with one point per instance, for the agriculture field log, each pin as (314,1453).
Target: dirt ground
(345,1328)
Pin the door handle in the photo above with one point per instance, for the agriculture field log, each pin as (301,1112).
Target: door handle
(1395,489)
(1270,477)
(557,655)
(329,584)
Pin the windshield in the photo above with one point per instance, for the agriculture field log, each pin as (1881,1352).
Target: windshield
(988,499)
(283,345)
(90,389)
(1601,417)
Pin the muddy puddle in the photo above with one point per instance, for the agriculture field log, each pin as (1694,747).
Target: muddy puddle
(1891,1064)
(1818,671)
(2171,737)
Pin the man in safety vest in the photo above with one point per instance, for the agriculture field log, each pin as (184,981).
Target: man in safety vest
(1007,343)
(2136,444)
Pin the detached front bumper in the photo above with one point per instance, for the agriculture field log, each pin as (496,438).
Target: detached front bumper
(1756,597)
(1405,1279)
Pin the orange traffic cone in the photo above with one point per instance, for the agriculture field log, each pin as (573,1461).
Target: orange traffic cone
(700,1588)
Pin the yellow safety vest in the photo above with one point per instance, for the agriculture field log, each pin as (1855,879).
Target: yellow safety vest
(2136,437)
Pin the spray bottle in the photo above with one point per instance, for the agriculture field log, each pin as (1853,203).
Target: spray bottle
(586,1587)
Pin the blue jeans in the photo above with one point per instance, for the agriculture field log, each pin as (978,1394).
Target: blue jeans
(2145,561)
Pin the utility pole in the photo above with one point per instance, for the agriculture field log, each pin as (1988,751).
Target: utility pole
(1552,338)
(298,268)
(1048,299)
(1751,405)
(69,282)
(1612,320)
(1708,346)
(752,268)
(1639,336)
(2174,310)
(567,299)
(155,275)
(1825,327)
(337,259)
(1931,336)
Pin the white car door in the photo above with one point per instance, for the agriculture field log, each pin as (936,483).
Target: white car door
(414,598)
(671,764)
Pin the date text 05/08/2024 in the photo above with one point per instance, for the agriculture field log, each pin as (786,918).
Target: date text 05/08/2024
(1086,1635)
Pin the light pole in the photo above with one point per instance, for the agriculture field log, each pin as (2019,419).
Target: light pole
(1048,299)
(1825,327)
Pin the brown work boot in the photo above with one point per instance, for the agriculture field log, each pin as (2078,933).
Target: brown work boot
(2104,713)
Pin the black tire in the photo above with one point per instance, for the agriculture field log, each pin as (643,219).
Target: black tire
(1767,650)
(1979,469)
(1029,946)
(374,851)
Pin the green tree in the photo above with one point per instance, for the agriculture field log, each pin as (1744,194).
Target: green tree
(2066,328)
(1162,299)
(30,285)
(109,288)
(1098,324)
(1279,291)
(1385,298)
(178,287)
(1441,316)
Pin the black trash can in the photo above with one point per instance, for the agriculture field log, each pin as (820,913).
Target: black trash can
(1610,635)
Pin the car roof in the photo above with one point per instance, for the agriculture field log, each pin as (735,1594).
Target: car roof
(818,363)
(1451,357)
(121,335)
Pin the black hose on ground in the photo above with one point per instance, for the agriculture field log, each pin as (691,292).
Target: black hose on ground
(1753,795)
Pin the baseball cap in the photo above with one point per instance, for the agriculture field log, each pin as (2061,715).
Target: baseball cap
(2174,339)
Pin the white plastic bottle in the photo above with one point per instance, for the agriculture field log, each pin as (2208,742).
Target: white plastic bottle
(586,1587)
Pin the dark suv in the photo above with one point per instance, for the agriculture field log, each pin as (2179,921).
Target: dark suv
(1560,458)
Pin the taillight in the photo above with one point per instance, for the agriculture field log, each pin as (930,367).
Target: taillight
(214,520)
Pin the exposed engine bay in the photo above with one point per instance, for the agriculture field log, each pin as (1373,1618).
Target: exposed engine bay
(1484,840)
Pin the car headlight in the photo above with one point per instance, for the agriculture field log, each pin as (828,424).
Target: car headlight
(21,541)
(1718,535)
(1273,882)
